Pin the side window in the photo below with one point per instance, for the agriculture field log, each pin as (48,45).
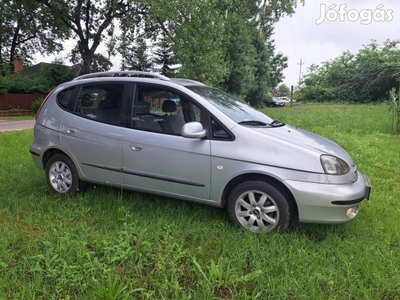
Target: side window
(64,97)
(101,103)
(160,110)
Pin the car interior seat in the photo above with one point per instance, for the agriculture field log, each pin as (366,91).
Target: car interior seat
(174,121)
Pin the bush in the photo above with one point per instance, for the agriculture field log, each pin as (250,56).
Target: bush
(36,104)
(22,84)
(316,94)
(43,82)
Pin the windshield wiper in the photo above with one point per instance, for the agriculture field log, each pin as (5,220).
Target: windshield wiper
(276,123)
(253,123)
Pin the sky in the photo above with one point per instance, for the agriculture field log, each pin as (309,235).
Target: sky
(321,31)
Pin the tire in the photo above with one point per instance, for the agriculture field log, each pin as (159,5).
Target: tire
(259,207)
(62,176)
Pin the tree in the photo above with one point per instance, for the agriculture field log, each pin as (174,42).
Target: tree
(90,22)
(135,57)
(261,86)
(164,57)
(284,90)
(27,28)
(277,63)
(251,28)
(225,43)
(196,31)
(241,55)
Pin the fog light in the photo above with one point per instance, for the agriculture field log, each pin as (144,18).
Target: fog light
(353,211)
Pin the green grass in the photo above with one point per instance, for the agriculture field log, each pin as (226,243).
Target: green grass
(17,118)
(114,244)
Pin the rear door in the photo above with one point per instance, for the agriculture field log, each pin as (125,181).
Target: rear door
(91,132)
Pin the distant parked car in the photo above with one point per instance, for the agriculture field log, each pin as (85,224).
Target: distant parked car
(275,102)
(182,139)
(284,99)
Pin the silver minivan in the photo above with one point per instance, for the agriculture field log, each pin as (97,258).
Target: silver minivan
(180,138)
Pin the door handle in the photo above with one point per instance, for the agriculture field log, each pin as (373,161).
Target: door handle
(136,148)
(70,131)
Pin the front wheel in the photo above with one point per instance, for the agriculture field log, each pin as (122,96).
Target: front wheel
(62,176)
(259,207)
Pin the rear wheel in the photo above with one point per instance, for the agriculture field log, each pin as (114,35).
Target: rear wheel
(62,176)
(259,207)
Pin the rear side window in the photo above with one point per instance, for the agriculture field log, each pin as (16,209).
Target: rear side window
(102,103)
(64,97)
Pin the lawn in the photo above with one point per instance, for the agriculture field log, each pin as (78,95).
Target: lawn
(17,118)
(115,244)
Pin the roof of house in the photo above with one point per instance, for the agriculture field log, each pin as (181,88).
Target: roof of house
(36,69)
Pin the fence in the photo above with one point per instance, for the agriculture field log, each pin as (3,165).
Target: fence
(18,101)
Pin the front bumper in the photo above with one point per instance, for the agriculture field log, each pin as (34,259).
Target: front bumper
(329,203)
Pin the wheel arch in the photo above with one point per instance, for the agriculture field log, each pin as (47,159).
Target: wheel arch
(50,153)
(262,177)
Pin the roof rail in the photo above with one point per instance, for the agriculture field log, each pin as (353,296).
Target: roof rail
(184,81)
(122,74)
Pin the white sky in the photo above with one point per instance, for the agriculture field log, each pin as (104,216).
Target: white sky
(300,37)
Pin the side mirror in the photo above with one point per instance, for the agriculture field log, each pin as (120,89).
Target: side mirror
(193,130)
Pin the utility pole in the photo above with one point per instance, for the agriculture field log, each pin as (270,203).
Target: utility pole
(301,65)
(291,96)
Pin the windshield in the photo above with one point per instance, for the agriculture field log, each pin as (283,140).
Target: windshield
(233,107)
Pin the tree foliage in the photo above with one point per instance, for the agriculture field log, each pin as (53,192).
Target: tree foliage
(224,43)
(164,58)
(90,22)
(367,76)
(196,31)
(27,28)
(56,73)
(284,90)
(135,56)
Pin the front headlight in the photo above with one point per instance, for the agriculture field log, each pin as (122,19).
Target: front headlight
(334,165)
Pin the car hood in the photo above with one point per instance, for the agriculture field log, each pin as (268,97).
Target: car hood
(284,147)
(305,139)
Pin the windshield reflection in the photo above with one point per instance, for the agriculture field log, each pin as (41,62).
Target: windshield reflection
(233,107)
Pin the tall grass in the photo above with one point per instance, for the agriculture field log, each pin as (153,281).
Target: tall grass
(115,244)
(394,109)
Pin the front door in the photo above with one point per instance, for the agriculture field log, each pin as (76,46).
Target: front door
(156,157)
